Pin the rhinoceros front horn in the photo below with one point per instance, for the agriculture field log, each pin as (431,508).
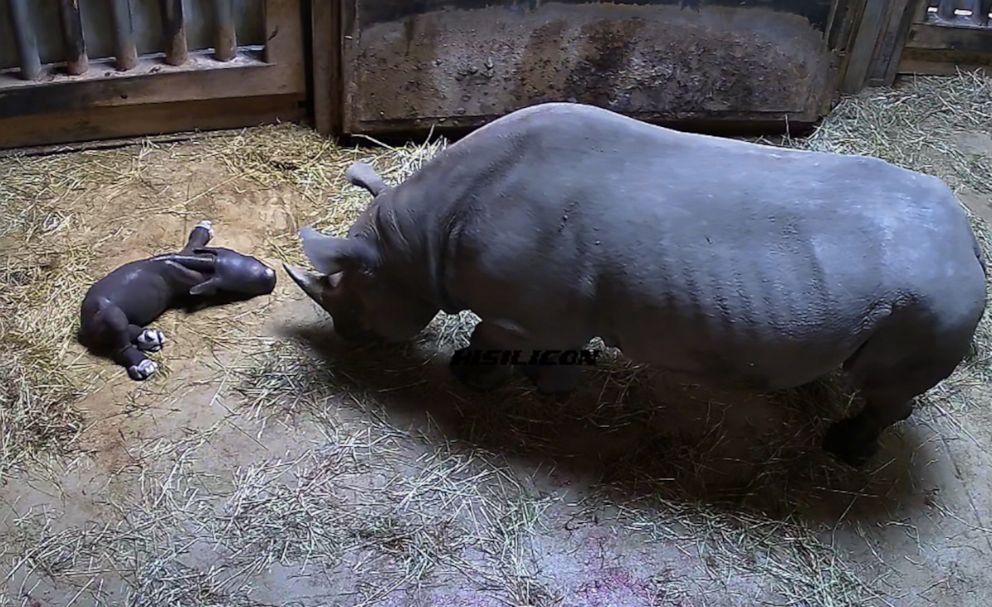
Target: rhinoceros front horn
(312,284)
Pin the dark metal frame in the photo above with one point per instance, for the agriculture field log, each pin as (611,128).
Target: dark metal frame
(89,99)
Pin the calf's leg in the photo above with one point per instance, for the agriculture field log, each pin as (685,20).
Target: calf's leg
(979,12)
(200,235)
(146,339)
(123,350)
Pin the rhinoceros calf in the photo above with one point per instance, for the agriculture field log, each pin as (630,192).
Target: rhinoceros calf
(731,262)
(117,307)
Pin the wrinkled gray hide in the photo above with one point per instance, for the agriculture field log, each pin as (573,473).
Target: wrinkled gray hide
(731,262)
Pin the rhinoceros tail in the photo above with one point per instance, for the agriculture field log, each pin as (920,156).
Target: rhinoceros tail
(363,175)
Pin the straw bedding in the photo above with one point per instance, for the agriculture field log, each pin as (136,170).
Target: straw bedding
(268,465)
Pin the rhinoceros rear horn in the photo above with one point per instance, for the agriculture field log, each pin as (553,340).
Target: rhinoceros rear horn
(364,176)
(332,255)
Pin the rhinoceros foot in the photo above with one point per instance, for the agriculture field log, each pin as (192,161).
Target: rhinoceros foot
(553,381)
(481,377)
(851,442)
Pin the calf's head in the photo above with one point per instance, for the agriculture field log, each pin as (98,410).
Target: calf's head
(353,285)
(234,274)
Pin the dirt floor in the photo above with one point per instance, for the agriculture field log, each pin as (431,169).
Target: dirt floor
(270,465)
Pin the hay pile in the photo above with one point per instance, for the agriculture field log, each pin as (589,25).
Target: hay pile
(381,480)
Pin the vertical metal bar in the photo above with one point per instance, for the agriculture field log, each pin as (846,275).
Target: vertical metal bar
(76,61)
(27,44)
(125,49)
(945,10)
(980,12)
(267,27)
(226,45)
(174,26)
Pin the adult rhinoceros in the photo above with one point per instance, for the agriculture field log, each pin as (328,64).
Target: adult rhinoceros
(732,262)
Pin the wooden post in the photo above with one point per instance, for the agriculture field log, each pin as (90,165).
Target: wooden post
(125,50)
(326,48)
(174,30)
(863,47)
(226,45)
(27,44)
(889,48)
(76,61)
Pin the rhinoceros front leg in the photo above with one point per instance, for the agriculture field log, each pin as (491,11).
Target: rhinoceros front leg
(478,365)
(554,379)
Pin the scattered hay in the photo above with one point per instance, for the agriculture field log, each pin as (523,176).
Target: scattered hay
(916,125)
(378,504)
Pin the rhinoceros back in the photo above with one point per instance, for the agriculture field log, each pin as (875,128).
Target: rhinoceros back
(705,254)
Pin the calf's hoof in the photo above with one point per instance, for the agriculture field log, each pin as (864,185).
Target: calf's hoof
(150,340)
(208,226)
(480,377)
(848,442)
(142,370)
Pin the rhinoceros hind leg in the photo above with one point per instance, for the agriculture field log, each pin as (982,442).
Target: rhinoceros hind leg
(911,350)
(854,440)
(142,370)
(120,337)
(892,370)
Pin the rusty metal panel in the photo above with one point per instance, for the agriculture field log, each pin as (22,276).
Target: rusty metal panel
(97,69)
(145,19)
(461,62)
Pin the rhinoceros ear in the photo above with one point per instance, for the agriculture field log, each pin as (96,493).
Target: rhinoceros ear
(364,176)
(332,255)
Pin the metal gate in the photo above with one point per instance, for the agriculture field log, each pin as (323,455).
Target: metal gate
(75,70)
(947,35)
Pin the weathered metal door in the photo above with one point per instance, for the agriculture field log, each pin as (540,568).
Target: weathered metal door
(75,70)
(463,62)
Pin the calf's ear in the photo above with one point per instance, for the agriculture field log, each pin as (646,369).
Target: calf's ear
(207,287)
(331,255)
